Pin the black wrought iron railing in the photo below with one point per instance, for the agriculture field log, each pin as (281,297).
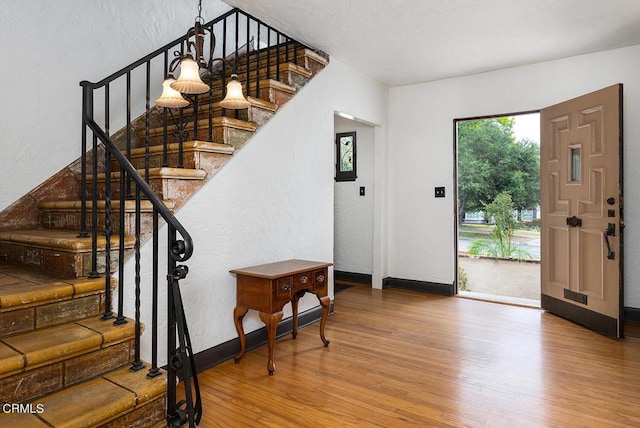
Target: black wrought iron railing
(115,187)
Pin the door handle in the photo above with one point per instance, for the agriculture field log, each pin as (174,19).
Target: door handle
(574,221)
(610,254)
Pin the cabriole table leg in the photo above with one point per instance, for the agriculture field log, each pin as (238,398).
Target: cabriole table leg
(238,314)
(325,301)
(271,321)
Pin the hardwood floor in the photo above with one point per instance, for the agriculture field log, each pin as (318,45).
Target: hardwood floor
(399,359)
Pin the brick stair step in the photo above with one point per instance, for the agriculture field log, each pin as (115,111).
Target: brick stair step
(197,154)
(311,60)
(67,214)
(306,58)
(31,299)
(116,399)
(56,251)
(259,112)
(175,184)
(41,361)
(225,130)
(276,92)
(271,91)
(290,74)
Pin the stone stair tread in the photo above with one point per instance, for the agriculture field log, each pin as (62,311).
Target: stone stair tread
(21,286)
(272,83)
(301,52)
(48,345)
(187,146)
(217,89)
(163,172)
(26,420)
(74,206)
(58,239)
(284,67)
(255,102)
(267,105)
(313,55)
(93,402)
(217,121)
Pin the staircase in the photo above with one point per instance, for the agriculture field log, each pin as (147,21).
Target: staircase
(64,362)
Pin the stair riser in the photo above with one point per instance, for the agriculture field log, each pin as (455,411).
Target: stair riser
(287,76)
(257,115)
(220,134)
(45,315)
(209,162)
(65,264)
(72,220)
(310,64)
(166,188)
(150,415)
(35,383)
(294,79)
(275,95)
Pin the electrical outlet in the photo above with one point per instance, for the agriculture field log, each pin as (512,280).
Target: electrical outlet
(439,192)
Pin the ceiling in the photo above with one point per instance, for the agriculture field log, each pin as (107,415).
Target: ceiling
(400,42)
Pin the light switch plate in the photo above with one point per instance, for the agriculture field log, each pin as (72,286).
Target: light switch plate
(439,192)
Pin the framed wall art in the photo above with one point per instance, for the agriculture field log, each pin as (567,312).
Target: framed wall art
(346,156)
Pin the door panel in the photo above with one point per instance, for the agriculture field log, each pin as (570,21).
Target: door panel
(581,199)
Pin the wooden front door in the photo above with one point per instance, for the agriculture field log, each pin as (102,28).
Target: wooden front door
(581,203)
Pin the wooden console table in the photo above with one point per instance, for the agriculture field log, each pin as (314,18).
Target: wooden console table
(267,288)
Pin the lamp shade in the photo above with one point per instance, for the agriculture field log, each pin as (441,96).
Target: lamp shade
(234,98)
(170,97)
(189,81)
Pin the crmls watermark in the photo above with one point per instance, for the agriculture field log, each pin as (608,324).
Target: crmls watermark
(23,408)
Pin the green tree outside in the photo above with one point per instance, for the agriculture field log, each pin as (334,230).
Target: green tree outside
(491,161)
(501,243)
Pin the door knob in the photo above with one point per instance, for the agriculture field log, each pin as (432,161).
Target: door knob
(574,221)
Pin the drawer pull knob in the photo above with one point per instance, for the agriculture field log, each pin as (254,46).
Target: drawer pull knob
(285,287)
(304,280)
(320,278)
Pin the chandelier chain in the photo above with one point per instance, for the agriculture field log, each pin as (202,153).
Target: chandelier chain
(199,17)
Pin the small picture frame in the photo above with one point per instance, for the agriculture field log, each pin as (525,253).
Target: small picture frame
(346,156)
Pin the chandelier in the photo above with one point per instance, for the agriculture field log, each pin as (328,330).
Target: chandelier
(193,65)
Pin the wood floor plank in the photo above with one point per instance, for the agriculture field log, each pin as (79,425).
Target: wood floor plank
(400,359)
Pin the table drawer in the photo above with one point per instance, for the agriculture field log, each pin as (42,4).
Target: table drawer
(283,289)
(303,281)
(320,280)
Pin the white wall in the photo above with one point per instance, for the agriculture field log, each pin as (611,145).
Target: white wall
(353,214)
(421,228)
(47,49)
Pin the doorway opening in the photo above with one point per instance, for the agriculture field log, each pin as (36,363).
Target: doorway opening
(498,211)
(353,215)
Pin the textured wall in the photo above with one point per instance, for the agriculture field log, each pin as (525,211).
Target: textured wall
(421,228)
(353,214)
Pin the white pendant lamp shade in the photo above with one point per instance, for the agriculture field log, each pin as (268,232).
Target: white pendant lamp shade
(189,81)
(234,98)
(170,98)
